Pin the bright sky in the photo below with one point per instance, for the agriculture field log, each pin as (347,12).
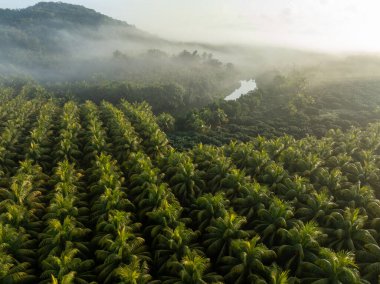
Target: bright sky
(335,25)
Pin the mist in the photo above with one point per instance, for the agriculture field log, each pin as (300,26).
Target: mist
(323,25)
(146,43)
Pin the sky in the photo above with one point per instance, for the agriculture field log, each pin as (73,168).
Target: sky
(328,25)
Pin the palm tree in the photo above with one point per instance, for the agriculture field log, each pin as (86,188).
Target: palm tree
(207,208)
(12,271)
(234,184)
(174,244)
(167,214)
(66,266)
(118,250)
(137,272)
(95,133)
(18,244)
(248,262)
(254,197)
(277,276)
(111,199)
(21,202)
(356,196)
(57,234)
(272,174)
(183,178)
(152,197)
(209,159)
(221,233)
(249,158)
(346,231)
(104,173)
(299,244)
(295,188)
(67,146)
(331,267)
(316,208)
(114,220)
(67,179)
(67,279)
(300,162)
(369,262)
(192,269)
(40,137)
(65,206)
(278,216)
(325,180)
(218,170)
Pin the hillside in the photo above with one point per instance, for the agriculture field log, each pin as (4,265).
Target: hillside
(55,15)
(40,37)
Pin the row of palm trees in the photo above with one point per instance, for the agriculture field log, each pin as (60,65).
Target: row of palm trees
(120,253)
(274,219)
(312,175)
(64,248)
(100,196)
(21,195)
(140,115)
(20,222)
(15,125)
(173,255)
(222,236)
(40,143)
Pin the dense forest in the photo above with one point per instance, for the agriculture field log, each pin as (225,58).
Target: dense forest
(285,103)
(95,194)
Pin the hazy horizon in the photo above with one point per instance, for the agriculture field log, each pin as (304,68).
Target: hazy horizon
(324,25)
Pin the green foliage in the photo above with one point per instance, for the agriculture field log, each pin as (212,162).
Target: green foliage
(95,194)
(166,122)
(291,104)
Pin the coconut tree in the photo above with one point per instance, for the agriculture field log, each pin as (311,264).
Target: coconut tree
(331,267)
(184,180)
(111,199)
(173,244)
(299,244)
(247,157)
(316,208)
(369,262)
(18,245)
(254,197)
(277,276)
(11,271)
(57,234)
(248,262)
(118,250)
(67,266)
(192,269)
(221,233)
(208,208)
(270,220)
(234,183)
(346,231)
(137,272)
(167,214)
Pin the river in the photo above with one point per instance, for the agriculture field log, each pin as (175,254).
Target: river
(245,87)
